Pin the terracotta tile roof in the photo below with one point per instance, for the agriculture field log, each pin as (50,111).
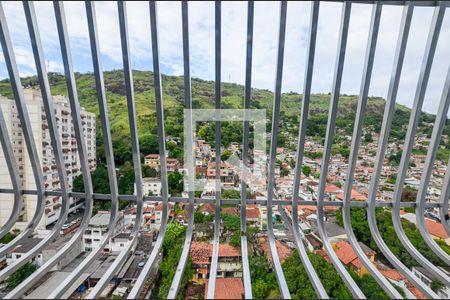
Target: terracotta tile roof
(207,207)
(226,250)
(223,164)
(230,210)
(253,213)
(392,274)
(283,250)
(357,263)
(201,252)
(324,254)
(345,253)
(331,188)
(354,196)
(227,288)
(415,291)
(159,206)
(436,229)
(146,210)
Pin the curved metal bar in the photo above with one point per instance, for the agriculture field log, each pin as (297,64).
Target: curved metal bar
(245,149)
(67,283)
(34,159)
(430,49)
(123,255)
(383,141)
(346,277)
(189,154)
(49,109)
(312,274)
(356,140)
(273,151)
(162,153)
(16,85)
(445,195)
(218,144)
(13,171)
(428,168)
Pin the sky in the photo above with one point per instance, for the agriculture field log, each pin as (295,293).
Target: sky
(234,14)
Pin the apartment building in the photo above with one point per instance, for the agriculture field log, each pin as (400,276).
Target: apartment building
(39,126)
(98,229)
(151,186)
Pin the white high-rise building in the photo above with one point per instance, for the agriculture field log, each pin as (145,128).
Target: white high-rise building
(39,126)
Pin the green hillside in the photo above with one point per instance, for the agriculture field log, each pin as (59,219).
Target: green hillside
(203,97)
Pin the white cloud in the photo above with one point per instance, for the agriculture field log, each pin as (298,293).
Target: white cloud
(234,24)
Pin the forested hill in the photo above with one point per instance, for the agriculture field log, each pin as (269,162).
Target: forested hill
(203,97)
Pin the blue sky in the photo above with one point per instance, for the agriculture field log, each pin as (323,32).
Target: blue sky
(233,44)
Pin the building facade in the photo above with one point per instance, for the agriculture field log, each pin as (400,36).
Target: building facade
(39,126)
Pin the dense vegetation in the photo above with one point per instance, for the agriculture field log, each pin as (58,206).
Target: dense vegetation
(384,218)
(203,97)
(264,283)
(171,251)
(20,275)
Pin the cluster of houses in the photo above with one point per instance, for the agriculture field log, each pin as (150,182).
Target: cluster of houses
(229,277)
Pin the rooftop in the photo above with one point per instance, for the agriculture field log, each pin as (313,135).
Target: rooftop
(228,288)
(101,219)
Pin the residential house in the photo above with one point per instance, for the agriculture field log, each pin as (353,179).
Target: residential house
(229,261)
(348,257)
(98,229)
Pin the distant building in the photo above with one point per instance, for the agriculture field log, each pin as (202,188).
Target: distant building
(154,161)
(427,278)
(39,127)
(150,186)
(97,230)
(348,257)
(227,176)
(22,249)
(229,262)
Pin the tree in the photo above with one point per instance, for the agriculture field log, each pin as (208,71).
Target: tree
(369,286)
(20,275)
(284,172)
(148,171)
(386,228)
(299,284)
(9,236)
(230,194)
(368,138)
(171,250)
(344,151)
(175,182)
(100,181)
(127,179)
(436,285)
(306,170)
(263,281)
(394,159)
(225,155)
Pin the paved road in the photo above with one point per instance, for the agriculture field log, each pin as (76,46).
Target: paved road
(75,215)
